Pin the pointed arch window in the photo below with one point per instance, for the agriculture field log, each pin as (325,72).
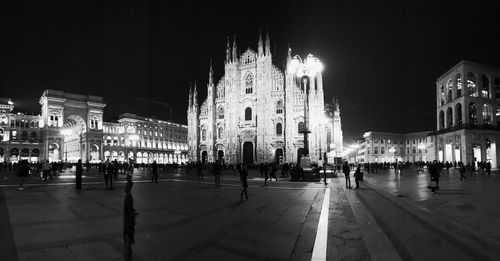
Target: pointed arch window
(279,129)
(220,132)
(301,127)
(279,107)
(248,114)
(249,84)
(204,135)
(220,113)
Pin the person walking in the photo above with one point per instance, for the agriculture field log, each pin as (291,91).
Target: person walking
(346,170)
(324,172)
(488,168)
(434,173)
(78,174)
(462,171)
(265,168)
(46,168)
(199,168)
(105,171)
(217,173)
(274,169)
(357,175)
(129,219)
(244,182)
(22,172)
(154,172)
(110,171)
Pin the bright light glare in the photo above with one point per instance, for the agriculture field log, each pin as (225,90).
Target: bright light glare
(66,132)
(392,150)
(421,146)
(10,102)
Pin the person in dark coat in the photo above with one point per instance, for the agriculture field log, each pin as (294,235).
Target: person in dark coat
(129,216)
(106,170)
(79,172)
(217,173)
(266,173)
(199,168)
(244,182)
(22,172)
(154,172)
(357,175)
(110,170)
(347,171)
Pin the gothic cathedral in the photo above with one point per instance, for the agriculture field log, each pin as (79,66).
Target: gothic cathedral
(255,113)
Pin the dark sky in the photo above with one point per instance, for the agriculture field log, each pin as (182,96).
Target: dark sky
(381,60)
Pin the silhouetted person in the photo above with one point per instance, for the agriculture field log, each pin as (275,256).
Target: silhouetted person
(217,173)
(129,216)
(346,170)
(324,172)
(266,173)
(244,182)
(199,168)
(357,175)
(110,170)
(154,172)
(78,174)
(22,172)
(461,170)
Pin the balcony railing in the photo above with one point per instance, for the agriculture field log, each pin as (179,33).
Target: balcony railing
(466,127)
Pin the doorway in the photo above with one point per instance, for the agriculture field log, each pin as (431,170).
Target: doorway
(248,153)
(278,156)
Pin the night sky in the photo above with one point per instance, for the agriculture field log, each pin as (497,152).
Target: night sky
(381,60)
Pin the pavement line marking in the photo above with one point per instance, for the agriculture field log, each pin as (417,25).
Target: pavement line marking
(320,243)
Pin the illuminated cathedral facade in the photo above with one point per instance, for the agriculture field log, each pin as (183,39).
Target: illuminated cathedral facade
(255,112)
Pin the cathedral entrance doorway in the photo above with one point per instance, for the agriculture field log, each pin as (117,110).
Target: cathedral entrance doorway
(300,151)
(220,155)
(204,156)
(248,153)
(278,156)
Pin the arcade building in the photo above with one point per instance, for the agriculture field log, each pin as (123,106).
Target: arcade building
(71,127)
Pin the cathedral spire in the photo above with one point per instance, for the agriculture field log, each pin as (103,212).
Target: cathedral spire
(289,56)
(228,51)
(261,48)
(190,95)
(211,75)
(235,50)
(195,95)
(268,43)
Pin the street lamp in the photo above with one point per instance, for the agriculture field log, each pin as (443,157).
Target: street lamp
(304,70)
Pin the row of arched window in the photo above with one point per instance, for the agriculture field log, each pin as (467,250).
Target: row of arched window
(21,123)
(472,89)
(278,130)
(486,113)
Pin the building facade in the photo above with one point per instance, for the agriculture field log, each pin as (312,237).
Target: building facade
(468,113)
(391,147)
(145,140)
(256,112)
(71,127)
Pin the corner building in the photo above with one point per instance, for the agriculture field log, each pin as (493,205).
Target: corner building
(254,113)
(71,127)
(468,114)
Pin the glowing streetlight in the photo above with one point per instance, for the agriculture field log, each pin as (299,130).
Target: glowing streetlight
(305,69)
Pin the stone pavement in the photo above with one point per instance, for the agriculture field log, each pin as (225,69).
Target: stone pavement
(185,218)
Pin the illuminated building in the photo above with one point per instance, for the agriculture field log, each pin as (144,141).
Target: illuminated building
(71,127)
(390,147)
(256,112)
(145,140)
(468,113)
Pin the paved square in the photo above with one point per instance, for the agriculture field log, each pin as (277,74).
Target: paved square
(391,217)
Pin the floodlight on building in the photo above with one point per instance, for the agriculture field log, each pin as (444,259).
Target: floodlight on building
(10,102)
(392,150)
(421,146)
